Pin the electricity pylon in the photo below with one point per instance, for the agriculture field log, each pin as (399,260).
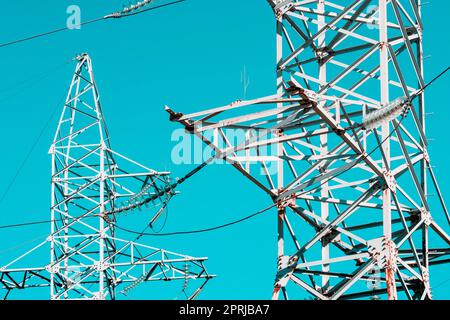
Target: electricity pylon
(91,187)
(351,183)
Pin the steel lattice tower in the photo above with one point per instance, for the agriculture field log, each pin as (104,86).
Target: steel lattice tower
(354,218)
(91,186)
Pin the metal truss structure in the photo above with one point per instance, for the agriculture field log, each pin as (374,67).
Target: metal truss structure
(354,219)
(91,187)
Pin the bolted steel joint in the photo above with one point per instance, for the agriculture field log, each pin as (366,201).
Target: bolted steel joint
(281,7)
(283,262)
(426,216)
(389,181)
(52,269)
(384,252)
(426,156)
(391,254)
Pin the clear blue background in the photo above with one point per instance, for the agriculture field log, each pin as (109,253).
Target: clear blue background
(189,56)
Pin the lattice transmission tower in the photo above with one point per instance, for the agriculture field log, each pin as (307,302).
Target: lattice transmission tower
(341,148)
(92,186)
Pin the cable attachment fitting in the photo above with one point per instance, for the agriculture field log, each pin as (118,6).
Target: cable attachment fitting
(283,203)
(128,10)
(398,107)
(80,57)
(282,7)
(173,116)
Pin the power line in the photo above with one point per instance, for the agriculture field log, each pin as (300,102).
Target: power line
(433,80)
(30,152)
(31,223)
(47,33)
(30,81)
(117,15)
(441,283)
(151,234)
(199,230)
(18,225)
(21,245)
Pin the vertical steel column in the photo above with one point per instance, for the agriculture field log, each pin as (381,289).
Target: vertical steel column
(103,178)
(424,163)
(384,99)
(324,206)
(280,179)
(66,186)
(66,192)
(54,200)
(102,223)
(52,224)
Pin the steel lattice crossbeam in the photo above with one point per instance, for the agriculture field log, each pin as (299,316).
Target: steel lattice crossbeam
(354,218)
(90,181)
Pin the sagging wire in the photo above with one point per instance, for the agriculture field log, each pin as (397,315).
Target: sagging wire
(14,248)
(31,150)
(164,209)
(222,226)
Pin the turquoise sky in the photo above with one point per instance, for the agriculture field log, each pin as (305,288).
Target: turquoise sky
(189,56)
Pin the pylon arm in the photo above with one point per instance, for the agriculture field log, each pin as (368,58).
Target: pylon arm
(127,268)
